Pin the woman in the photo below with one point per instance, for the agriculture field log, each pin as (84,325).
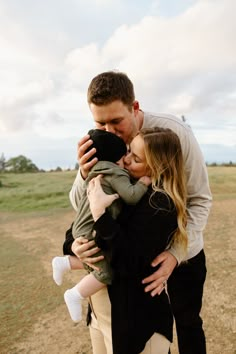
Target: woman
(133,241)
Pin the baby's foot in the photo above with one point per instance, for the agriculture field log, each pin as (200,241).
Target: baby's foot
(74,303)
(60,265)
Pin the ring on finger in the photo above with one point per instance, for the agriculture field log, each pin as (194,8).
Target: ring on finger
(164,283)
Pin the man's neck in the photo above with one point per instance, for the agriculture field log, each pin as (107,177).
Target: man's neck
(140,119)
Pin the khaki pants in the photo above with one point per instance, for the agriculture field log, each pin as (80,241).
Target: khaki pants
(157,344)
(100,328)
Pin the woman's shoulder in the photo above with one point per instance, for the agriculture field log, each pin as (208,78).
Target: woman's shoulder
(160,200)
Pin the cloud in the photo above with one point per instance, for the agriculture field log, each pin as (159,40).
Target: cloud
(17,107)
(186,62)
(182,61)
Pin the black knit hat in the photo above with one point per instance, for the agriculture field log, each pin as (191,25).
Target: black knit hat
(109,147)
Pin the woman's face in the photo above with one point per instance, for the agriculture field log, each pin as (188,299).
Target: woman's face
(135,161)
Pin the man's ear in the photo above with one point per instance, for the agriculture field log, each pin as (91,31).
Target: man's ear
(136,106)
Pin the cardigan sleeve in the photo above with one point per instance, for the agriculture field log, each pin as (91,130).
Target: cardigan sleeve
(69,239)
(107,231)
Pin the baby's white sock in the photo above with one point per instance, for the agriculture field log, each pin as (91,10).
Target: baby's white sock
(73,300)
(60,265)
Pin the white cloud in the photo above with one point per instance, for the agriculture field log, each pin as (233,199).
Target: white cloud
(185,63)
(17,106)
(182,60)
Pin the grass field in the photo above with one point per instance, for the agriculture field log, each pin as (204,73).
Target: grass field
(34,214)
(35,191)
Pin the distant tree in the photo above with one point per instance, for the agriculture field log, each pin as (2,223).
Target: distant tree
(21,164)
(76,166)
(2,163)
(58,169)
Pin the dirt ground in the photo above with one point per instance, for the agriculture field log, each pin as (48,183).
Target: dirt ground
(55,333)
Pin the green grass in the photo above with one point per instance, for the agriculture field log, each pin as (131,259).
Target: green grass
(35,191)
(222,182)
(26,292)
(49,191)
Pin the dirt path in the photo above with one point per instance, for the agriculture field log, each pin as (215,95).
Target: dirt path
(55,333)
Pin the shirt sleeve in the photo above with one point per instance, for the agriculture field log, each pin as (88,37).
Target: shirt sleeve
(199,198)
(77,190)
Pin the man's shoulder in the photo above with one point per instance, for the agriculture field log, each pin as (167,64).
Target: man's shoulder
(163,120)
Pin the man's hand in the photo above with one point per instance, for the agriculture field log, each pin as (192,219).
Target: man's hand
(83,157)
(84,250)
(157,281)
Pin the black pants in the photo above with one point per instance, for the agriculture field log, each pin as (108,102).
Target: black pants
(185,287)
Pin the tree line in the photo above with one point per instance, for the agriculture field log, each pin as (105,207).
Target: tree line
(17,164)
(21,164)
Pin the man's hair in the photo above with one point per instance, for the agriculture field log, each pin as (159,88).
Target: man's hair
(110,86)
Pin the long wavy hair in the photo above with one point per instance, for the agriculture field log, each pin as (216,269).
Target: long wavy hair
(164,158)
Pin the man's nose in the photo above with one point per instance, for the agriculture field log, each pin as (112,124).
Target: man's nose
(109,128)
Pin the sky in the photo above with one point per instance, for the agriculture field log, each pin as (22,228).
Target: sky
(180,55)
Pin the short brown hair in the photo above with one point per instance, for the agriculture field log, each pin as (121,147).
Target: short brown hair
(110,86)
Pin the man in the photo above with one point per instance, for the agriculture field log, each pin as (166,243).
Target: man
(112,103)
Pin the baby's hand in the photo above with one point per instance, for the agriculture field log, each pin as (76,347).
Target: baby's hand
(145,180)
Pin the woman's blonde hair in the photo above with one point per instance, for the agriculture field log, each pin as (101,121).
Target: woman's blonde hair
(164,158)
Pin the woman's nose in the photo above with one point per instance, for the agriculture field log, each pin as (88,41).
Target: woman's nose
(127,159)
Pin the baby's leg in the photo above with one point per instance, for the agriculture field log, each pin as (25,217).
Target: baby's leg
(60,265)
(75,263)
(88,286)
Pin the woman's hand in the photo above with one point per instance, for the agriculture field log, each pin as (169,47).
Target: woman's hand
(84,250)
(84,164)
(99,200)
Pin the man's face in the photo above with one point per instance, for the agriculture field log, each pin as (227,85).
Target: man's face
(116,118)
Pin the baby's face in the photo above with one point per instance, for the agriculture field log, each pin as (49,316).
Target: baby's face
(120,163)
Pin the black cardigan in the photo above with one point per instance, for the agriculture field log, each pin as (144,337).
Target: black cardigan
(131,243)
